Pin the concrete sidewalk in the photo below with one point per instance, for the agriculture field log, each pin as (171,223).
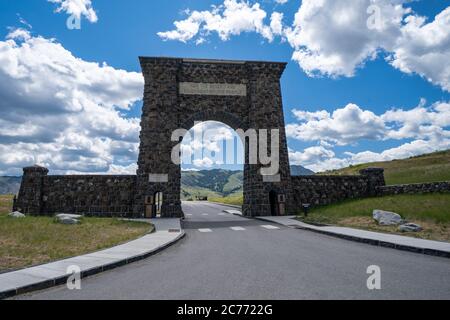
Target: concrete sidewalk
(168,231)
(435,248)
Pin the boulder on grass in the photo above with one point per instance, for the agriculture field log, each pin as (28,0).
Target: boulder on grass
(410,227)
(386,218)
(16,215)
(68,221)
(70,216)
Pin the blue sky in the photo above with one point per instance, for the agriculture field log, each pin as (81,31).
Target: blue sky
(356,75)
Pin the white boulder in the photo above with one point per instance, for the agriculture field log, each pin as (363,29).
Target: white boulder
(410,227)
(386,218)
(16,215)
(68,221)
(70,216)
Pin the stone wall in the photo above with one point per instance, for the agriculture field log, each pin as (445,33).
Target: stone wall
(417,188)
(323,190)
(100,195)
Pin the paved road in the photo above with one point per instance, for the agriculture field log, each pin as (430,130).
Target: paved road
(229,257)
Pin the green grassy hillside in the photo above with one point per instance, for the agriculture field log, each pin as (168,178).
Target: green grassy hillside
(220,183)
(432,167)
(237,200)
(211,183)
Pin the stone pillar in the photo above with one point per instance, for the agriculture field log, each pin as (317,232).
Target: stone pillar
(266,112)
(159,119)
(30,199)
(375,177)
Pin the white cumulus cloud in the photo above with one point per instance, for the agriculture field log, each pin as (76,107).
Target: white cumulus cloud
(231,18)
(211,143)
(344,126)
(424,48)
(426,127)
(61,111)
(351,124)
(335,38)
(78,8)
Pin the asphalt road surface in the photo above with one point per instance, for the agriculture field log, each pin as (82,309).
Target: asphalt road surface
(228,257)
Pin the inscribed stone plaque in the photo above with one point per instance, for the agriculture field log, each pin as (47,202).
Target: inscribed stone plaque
(158,178)
(213,89)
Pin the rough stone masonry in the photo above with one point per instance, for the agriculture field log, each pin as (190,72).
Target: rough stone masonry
(177,94)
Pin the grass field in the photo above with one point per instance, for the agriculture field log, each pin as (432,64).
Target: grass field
(432,211)
(36,240)
(432,167)
(190,193)
(234,200)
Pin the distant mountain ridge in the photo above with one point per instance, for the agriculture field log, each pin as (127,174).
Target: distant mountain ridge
(10,185)
(220,183)
(211,183)
(301,171)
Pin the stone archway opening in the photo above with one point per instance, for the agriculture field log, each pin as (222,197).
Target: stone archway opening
(212,162)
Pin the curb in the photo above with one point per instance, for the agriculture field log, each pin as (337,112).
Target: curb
(227,205)
(373,242)
(46,284)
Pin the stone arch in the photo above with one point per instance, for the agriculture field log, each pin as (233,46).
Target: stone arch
(221,116)
(179,92)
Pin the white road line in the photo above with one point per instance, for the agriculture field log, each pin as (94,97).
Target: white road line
(189,214)
(222,214)
(237,229)
(270,227)
(205,214)
(205,230)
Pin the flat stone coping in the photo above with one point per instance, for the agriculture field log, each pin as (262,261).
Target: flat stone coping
(168,231)
(429,247)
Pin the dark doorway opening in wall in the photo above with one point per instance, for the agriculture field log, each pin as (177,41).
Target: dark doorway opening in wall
(274,207)
(153,205)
